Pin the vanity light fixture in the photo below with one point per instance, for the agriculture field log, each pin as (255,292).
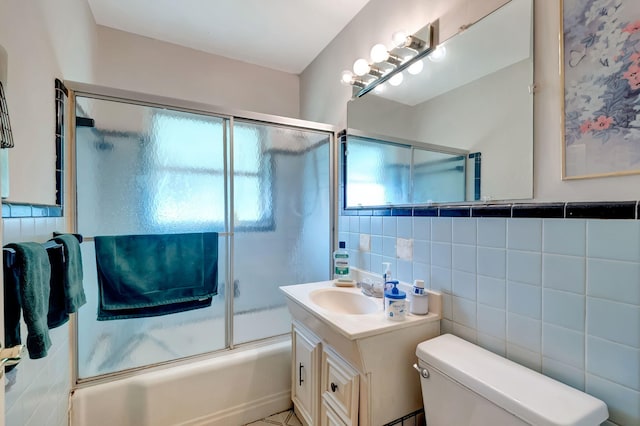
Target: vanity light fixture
(387,64)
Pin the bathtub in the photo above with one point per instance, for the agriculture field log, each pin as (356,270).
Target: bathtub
(234,388)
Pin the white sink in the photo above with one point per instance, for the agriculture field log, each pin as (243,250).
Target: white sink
(343,301)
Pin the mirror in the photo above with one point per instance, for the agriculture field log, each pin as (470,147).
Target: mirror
(459,131)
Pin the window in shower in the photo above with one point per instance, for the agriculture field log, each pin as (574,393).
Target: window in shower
(264,187)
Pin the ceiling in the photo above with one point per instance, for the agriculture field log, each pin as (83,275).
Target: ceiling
(284,35)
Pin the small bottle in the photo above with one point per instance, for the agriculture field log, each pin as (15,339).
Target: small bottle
(419,301)
(386,275)
(341,271)
(395,303)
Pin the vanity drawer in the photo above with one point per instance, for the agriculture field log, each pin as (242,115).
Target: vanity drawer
(340,386)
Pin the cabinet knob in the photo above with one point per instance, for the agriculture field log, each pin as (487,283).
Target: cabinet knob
(334,387)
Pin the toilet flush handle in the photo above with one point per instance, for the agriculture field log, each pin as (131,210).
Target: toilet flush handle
(423,371)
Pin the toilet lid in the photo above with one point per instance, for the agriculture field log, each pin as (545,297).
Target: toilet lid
(531,396)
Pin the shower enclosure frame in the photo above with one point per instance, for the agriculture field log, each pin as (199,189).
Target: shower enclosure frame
(136,98)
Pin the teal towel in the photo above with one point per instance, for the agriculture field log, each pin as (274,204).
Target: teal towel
(67,291)
(32,275)
(151,275)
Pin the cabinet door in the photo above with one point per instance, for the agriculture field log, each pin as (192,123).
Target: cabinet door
(340,387)
(304,389)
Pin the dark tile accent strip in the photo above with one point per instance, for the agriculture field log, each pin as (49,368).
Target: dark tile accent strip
(455,211)
(349,212)
(503,210)
(425,211)
(17,210)
(401,212)
(542,210)
(602,210)
(364,212)
(381,212)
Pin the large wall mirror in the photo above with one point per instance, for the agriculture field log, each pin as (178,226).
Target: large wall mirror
(459,131)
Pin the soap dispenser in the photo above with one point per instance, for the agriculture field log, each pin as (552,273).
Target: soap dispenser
(395,303)
(419,300)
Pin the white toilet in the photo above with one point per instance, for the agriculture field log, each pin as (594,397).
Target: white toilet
(463,384)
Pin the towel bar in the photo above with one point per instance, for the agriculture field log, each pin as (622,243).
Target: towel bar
(9,255)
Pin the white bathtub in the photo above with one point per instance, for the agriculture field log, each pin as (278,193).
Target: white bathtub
(238,387)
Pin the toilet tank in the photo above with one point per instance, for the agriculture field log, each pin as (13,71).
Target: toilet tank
(468,385)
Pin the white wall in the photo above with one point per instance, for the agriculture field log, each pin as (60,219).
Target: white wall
(324,99)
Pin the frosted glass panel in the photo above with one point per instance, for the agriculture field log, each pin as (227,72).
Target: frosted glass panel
(289,243)
(438,177)
(377,172)
(148,170)
(144,170)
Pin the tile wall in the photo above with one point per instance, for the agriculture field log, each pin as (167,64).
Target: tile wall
(561,296)
(37,391)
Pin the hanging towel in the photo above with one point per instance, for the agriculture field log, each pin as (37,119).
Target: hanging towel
(151,275)
(67,292)
(29,289)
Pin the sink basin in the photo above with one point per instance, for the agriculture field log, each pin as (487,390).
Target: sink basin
(344,301)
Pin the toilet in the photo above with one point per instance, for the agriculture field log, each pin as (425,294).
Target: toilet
(463,384)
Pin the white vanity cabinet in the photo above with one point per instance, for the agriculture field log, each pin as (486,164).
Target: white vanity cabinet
(339,388)
(305,375)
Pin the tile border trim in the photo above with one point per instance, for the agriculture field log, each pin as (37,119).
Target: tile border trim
(547,210)
(22,210)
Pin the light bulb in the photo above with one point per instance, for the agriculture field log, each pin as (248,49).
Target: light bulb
(396,80)
(379,53)
(361,67)
(399,38)
(415,68)
(438,54)
(380,88)
(346,77)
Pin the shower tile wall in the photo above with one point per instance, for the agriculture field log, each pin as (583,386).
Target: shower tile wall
(37,391)
(561,296)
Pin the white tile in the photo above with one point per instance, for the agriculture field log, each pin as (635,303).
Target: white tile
(421,272)
(422,228)
(447,309)
(492,262)
(623,403)
(42,232)
(490,343)
(463,284)
(492,232)
(611,361)
(389,246)
(524,331)
(524,267)
(492,292)
(404,248)
(466,333)
(446,326)
(405,271)
(563,309)
(389,226)
(354,224)
(464,311)
(376,225)
(343,223)
(522,356)
(11,230)
(422,251)
(364,245)
(564,373)
(365,224)
(562,236)
(614,239)
(441,279)
(563,345)
(376,244)
(614,280)
(524,299)
(492,321)
(463,230)
(524,234)
(404,227)
(27,229)
(441,229)
(614,321)
(463,257)
(441,255)
(564,273)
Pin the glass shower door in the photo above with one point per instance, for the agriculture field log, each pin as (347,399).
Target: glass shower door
(281,221)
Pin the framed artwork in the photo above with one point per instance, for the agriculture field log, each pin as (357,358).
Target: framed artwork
(601,71)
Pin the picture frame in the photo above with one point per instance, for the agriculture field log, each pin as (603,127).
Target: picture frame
(600,71)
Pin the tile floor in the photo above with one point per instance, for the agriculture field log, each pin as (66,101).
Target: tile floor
(286,418)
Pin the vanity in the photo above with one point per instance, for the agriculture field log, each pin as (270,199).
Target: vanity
(350,365)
